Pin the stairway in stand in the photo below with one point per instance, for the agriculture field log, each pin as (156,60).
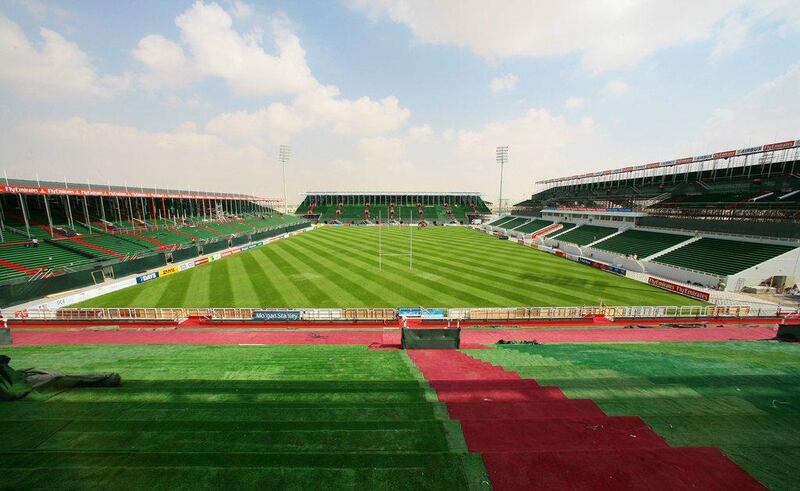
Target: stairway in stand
(534,437)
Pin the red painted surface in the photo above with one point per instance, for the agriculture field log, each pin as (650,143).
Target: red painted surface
(533,437)
(18,267)
(96,247)
(164,334)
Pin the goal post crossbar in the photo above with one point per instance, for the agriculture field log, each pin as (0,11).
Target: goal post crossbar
(410,252)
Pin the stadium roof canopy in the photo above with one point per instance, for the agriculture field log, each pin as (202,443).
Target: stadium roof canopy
(391,193)
(683,164)
(55,188)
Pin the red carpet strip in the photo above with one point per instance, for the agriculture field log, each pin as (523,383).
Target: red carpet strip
(533,437)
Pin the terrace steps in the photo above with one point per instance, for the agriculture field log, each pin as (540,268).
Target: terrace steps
(533,437)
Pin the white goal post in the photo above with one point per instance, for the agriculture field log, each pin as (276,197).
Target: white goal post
(410,252)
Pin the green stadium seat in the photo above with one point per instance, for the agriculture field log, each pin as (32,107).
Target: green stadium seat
(586,234)
(722,257)
(533,226)
(564,227)
(640,243)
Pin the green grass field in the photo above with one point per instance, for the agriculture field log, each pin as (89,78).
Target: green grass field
(337,267)
(233,417)
(743,398)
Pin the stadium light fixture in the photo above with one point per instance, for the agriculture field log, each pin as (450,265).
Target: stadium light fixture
(284,153)
(502,158)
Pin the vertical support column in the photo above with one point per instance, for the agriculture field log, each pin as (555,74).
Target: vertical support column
(86,213)
(49,217)
(24,216)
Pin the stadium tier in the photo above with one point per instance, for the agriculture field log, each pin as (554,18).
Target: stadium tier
(756,182)
(640,243)
(514,223)
(722,257)
(432,208)
(586,234)
(62,230)
(565,226)
(533,226)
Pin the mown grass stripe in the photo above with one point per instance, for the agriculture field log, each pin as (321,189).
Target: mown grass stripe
(261,283)
(392,284)
(459,294)
(357,293)
(314,294)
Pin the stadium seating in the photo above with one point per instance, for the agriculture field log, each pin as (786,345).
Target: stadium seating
(514,223)
(721,256)
(586,234)
(640,243)
(500,221)
(21,260)
(105,245)
(564,227)
(533,226)
(10,236)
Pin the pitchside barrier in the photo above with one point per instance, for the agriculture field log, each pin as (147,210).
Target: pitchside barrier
(382,315)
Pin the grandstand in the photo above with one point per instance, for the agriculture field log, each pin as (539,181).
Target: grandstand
(723,220)
(82,233)
(759,183)
(368,207)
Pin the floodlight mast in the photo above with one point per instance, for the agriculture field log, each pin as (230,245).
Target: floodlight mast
(284,152)
(502,158)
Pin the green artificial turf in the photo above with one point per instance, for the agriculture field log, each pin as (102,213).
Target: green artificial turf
(338,267)
(270,417)
(743,398)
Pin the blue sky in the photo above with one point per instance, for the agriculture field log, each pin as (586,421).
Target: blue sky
(386,94)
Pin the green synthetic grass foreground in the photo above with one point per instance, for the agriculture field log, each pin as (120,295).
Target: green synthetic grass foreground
(743,398)
(276,417)
(337,267)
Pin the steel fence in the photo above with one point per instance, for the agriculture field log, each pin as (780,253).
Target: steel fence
(388,314)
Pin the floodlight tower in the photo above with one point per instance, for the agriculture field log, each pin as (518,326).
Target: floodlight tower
(502,158)
(284,153)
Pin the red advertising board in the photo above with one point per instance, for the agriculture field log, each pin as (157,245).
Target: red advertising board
(779,146)
(680,289)
(41,190)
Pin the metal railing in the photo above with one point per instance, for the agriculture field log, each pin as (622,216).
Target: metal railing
(388,314)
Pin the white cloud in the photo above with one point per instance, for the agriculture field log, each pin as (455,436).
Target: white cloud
(59,67)
(218,50)
(362,116)
(100,151)
(241,10)
(608,34)
(771,112)
(616,87)
(421,133)
(574,102)
(166,61)
(505,83)
(275,122)
(210,47)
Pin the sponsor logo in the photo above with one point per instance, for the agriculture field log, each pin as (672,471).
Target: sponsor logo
(616,270)
(147,277)
(168,271)
(779,145)
(686,160)
(680,289)
(746,151)
(725,155)
(202,260)
(186,266)
(276,315)
(701,158)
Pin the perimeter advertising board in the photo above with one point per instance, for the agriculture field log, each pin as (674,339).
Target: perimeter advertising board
(680,289)
(276,315)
